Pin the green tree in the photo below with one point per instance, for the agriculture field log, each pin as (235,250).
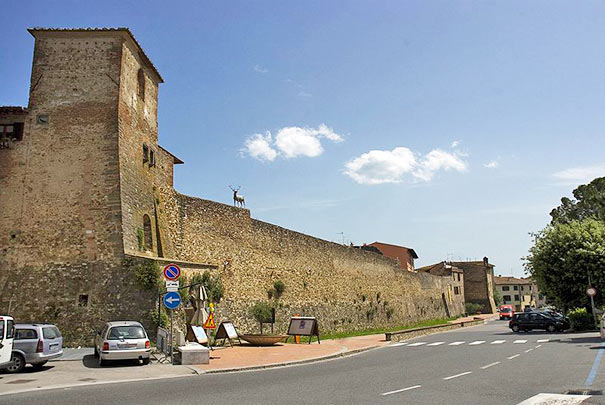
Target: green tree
(563,258)
(497,298)
(589,203)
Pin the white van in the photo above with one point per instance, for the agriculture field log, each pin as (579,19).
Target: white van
(7,334)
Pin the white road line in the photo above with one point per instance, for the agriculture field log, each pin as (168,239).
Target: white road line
(512,357)
(458,375)
(435,343)
(416,344)
(497,342)
(528,350)
(398,344)
(555,398)
(476,342)
(542,340)
(489,365)
(401,390)
(520,341)
(538,346)
(456,343)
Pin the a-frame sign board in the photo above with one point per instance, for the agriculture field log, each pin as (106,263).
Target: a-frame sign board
(304,326)
(226,330)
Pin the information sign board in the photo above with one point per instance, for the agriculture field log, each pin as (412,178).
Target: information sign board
(226,330)
(172,286)
(304,326)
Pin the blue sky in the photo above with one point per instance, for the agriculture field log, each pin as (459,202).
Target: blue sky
(452,127)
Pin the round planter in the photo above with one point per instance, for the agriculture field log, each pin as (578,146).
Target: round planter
(263,340)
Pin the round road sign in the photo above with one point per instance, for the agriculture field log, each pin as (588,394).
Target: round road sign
(172,300)
(591,291)
(172,272)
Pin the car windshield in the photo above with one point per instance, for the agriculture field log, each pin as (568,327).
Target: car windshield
(51,332)
(505,310)
(1,329)
(126,332)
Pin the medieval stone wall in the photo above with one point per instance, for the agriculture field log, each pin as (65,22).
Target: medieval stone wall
(346,288)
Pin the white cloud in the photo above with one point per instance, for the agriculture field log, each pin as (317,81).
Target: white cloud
(259,147)
(455,144)
(384,166)
(492,165)
(290,142)
(295,141)
(259,69)
(581,174)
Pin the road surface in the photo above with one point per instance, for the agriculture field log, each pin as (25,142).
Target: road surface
(486,364)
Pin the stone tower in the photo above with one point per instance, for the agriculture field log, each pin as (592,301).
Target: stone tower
(78,170)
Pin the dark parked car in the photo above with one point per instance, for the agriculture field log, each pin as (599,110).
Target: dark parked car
(535,320)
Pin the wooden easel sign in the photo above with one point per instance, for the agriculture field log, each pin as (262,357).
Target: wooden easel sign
(304,326)
(198,334)
(226,330)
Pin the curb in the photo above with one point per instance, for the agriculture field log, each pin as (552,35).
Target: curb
(344,353)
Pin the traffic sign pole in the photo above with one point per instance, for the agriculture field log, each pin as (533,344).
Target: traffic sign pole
(171,340)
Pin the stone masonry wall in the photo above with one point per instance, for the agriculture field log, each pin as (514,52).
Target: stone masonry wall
(346,288)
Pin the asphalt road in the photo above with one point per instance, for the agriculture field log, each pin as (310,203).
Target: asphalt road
(477,365)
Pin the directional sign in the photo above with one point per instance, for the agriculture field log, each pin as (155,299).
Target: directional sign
(172,300)
(591,291)
(172,285)
(172,272)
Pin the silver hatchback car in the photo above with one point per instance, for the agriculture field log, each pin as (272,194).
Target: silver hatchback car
(122,340)
(35,344)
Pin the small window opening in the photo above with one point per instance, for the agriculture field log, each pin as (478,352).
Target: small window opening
(145,153)
(151,158)
(147,238)
(141,83)
(83,300)
(10,133)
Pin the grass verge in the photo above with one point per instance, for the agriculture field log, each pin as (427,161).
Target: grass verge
(374,331)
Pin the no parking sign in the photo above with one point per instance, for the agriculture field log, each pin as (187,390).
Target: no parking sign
(172,272)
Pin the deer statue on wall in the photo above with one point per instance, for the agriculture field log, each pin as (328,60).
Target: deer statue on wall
(238,200)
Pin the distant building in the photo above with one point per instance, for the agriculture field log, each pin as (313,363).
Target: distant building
(403,255)
(519,292)
(478,284)
(445,269)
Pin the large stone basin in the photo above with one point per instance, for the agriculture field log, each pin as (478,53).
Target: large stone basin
(263,340)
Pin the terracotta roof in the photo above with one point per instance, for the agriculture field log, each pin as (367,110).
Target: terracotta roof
(124,30)
(13,109)
(478,262)
(436,265)
(414,255)
(177,161)
(498,280)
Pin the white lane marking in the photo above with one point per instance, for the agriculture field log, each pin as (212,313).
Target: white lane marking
(528,350)
(416,344)
(512,357)
(520,341)
(458,375)
(476,342)
(456,343)
(489,365)
(398,344)
(497,342)
(555,398)
(435,343)
(401,390)
(542,341)
(538,346)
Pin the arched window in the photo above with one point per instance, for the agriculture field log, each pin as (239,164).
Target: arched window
(147,232)
(141,83)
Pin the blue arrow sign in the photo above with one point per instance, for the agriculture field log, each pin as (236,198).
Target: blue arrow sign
(172,300)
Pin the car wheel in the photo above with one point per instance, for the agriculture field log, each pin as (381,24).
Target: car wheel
(39,365)
(102,362)
(96,353)
(146,361)
(551,328)
(515,328)
(18,364)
